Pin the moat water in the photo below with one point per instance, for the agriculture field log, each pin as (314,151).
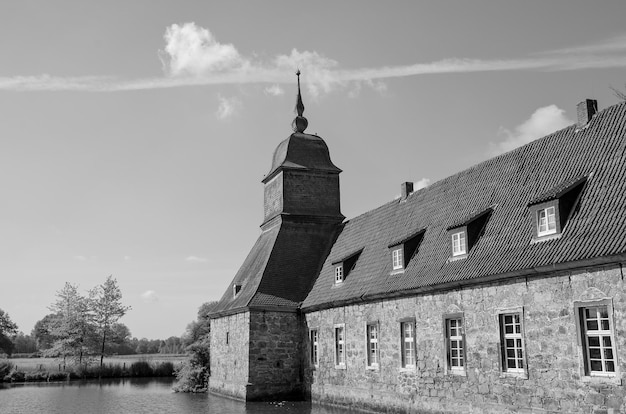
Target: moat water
(136,396)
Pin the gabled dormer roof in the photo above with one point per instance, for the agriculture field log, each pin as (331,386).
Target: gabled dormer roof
(535,172)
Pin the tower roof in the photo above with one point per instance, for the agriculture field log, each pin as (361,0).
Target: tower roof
(300,150)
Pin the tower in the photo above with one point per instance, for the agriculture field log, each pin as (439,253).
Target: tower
(256,328)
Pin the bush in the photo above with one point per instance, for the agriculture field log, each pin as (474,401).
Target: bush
(15,376)
(5,368)
(164,369)
(191,378)
(58,376)
(141,369)
(35,376)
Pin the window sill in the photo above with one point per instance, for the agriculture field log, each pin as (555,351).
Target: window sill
(340,366)
(397,272)
(614,380)
(372,368)
(460,373)
(337,285)
(459,257)
(547,237)
(407,369)
(520,375)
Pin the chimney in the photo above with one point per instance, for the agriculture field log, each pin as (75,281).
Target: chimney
(407,188)
(586,110)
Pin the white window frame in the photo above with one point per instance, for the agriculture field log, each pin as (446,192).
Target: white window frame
(459,243)
(455,344)
(512,342)
(339,273)
(397,258)
(314,344)
(599,314)
(543,220)
(372,345)
(407,344)
(340,346)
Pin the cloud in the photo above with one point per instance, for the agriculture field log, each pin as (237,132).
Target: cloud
(274,90)
(423,183)
(81,258)
(193,56)
(149,296)
(193,50)
(227,107)
(542,122)
(127,258)
(196,259)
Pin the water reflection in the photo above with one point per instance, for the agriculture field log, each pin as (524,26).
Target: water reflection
(133,395)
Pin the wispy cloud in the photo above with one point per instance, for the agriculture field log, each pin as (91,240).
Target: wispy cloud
(80,258)
(149,296)
(423,183)
(192,55)
(274,90)
(227,107)
(542,122)
(196,259)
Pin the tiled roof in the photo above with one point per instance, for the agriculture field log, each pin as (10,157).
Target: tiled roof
(302,151)
(558,191)
(280,268)
(511,181)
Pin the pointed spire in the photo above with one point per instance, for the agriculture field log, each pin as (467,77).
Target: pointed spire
(300,123)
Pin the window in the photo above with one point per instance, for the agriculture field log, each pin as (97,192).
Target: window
(397,258)
(227,337)
(340,352)
(597,339)
(314,347)
(546,221)
(339,273)
(403,250)
(345,265)
(512,343)
(372,345)
(407,333)
(236,289)
(458,243)
(455,345)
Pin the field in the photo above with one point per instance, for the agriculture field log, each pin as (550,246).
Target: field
(56,365)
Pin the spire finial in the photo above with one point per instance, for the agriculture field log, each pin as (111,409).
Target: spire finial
(300,123)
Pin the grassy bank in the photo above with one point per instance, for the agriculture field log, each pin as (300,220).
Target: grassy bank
(51,369)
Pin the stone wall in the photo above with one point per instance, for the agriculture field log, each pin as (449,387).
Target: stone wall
(275,356)
(554,381)
(229,359)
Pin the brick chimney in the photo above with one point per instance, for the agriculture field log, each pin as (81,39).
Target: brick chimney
(407,188)
(586,110)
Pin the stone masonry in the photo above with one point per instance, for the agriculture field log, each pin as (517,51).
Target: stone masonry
(262,358)
(554,382)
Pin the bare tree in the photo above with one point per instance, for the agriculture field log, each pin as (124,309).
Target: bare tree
(620,95)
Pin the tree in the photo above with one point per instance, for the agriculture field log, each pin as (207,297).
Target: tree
(7,328)
(24,344)
(72,327)
(41,332)
(106,305)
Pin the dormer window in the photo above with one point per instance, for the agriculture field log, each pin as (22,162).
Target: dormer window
(551,210)
(465,233)
(344,266)
(236,289)
(339,273)
(546,221)
(458,243)
(403,250)
(397,258)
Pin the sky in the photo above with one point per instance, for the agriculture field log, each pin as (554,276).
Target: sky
(134,135)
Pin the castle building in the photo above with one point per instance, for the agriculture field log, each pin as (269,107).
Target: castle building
(497,289)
